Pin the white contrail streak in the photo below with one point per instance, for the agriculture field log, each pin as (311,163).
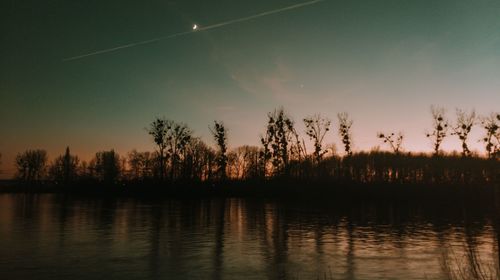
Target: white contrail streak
(208,27)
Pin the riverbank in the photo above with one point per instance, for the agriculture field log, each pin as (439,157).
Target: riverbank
(334,191)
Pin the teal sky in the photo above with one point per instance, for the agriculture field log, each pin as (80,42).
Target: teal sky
(384,62)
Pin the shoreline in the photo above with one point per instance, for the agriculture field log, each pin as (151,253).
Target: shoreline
(334,191)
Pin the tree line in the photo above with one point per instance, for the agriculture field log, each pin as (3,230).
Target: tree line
(180,156)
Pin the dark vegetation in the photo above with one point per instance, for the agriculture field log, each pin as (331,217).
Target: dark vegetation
(182,162)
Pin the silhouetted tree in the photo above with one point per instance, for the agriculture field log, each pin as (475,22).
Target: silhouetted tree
(106,166)
(171,139)
(253,165)
(135,164)
(236,164)
(345,124)
(393,140)
(141,165)
(64,169)
(219,133)
(178,137)
(463,127)
(159,129)
(492,138)
(277,141)
(31,165)
(439,129)
(243,163)
(316,129)
(84,172)
(200,163)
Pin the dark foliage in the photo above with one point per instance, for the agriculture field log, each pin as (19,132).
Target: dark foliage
(64,169)
(106,167)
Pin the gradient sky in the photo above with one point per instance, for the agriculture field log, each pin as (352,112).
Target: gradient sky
(384,62)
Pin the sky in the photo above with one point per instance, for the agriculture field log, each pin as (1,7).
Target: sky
(384,62)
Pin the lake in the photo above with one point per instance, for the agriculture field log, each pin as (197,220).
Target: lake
(48,236)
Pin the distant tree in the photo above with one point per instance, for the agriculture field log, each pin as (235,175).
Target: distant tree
(85,171)
(219,133)
(235,164)
(316,128)
(135,164)
(200,161)
(159,129)
(491,124)
(463,127)
(393,140)
(106,166)
(278,141)
(64,169)
(243,162)
(141,164)
(439,129)
(345,124)
(253,166)
(31,165)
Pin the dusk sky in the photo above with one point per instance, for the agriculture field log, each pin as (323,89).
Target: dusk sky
(383,62)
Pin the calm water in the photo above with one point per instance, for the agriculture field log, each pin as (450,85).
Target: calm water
(58,237)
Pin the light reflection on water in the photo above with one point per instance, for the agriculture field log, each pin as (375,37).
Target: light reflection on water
(58,237)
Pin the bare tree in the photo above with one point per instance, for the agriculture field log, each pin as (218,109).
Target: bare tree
(316,128)
(462,128)
(31,165)
(345,124)
(219,132)
(439,129)
(491,124)
(278,141)
(244,162)
(200,162)
(159,129)
(178,138)
(172,139)
(394,140)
